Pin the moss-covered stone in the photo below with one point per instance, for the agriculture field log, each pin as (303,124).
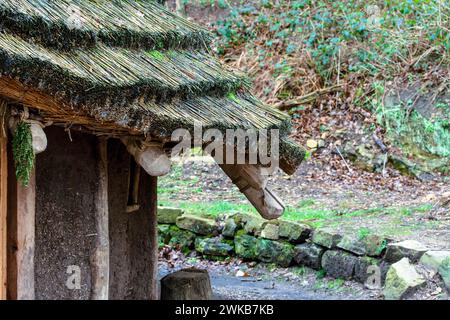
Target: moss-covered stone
(280,253)
(197,224)
(353,244)
(181,239)
(433,259)
(229,228)
(270,231)
(295,232)
(245,246)
(213,247)
(309,254)
(364,268)
(402,278)
(168,215)
(339,264)
(254,226)
(444,271)
(370,245)
(250,223)
(164,233)
(326,237)
(411,249)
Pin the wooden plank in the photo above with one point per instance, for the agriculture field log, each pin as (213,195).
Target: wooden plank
(3,211)
(21,236)
(100,258)
(153,237)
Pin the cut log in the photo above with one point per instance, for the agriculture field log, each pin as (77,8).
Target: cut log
(152,159)
(186,284)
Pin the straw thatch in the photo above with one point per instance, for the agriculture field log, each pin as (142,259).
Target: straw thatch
(68,24)
(125,65)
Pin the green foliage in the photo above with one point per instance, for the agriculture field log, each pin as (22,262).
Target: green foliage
(363,233)
(22,145)
(320,274)
(379,35)
(335,284)
(305,203)
(426,138)
(155,54)
(232,96)
(382,247)
(299,271)
(413,132)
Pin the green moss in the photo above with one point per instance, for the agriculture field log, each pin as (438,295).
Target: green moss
(335,284)
(232,96)
(418,135)
(155,54)
(22,145)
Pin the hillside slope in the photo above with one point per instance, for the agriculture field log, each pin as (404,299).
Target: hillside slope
(364,81)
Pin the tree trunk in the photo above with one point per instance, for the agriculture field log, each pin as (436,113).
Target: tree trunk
(186,284)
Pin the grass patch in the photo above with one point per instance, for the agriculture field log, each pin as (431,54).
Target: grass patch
(315,216)
(335,284)
(363,233)
(212,209)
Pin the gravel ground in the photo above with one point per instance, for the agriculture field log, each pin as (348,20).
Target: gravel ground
(262,282)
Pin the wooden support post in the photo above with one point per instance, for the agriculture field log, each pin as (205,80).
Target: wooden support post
(154,237)
(21,236)
(3,210)
(100,257)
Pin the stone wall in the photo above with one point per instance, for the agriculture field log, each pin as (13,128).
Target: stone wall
(370,259)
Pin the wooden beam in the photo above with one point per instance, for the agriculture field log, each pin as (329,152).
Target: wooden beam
(3,210)
(151,158)
(21,236)
(253,185)
(100,257)
(154,237)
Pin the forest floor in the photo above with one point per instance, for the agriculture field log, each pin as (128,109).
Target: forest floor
(266,282)
(401,208)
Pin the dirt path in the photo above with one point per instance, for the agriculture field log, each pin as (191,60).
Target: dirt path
(265,283)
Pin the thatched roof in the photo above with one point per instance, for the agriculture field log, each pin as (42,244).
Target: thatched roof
(129,64)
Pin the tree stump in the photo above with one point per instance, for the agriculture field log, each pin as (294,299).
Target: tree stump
(186,284)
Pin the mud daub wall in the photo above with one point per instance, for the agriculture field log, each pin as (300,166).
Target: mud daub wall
(65,228)
(66,187)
